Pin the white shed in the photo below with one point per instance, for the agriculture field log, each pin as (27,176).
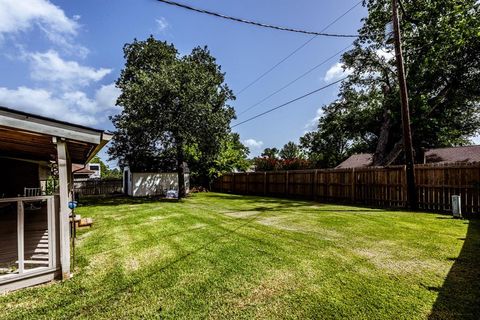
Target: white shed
(144,184)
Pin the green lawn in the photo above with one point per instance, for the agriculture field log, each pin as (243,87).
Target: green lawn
(224,256)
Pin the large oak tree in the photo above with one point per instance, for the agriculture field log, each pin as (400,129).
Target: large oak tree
(441,42)
(174,109)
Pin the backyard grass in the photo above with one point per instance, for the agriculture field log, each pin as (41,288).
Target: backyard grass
(224,256)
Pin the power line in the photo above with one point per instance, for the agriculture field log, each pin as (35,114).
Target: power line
(258,24)
(295,80)
(296,50)
(289,102)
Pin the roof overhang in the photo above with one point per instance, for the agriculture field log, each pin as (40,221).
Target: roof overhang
(33,137)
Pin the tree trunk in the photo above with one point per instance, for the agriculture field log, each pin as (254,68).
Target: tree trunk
(382,144)
(180,171)
(393,154)
(381,150)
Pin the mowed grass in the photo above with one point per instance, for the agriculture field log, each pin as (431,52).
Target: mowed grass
(233,257)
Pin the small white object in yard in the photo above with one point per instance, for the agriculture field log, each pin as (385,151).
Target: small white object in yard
(456,207)
(172,194)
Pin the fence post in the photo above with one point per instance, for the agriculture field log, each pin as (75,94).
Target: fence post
(404,186)
(315,185)
(265,183)
(234,187)
(353,185)
(327,186)
(246,183)
(286,183)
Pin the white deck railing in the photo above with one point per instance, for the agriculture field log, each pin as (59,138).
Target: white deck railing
(22,203)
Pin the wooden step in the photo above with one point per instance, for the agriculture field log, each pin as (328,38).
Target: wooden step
(35,262)
(39,257)
(37,250)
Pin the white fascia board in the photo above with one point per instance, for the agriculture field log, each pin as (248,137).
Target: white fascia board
(52,129)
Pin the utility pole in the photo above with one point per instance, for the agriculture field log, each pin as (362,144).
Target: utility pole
(407,133)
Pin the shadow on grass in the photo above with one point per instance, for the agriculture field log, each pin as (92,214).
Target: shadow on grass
(300,202)
(118,200)
(459,297)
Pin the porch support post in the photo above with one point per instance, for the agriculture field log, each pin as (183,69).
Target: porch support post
(64,218)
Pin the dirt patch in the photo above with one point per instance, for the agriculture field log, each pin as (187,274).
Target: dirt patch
(283,224)
(241,214)
(157,218)
(132,265)
(118,217)
(198,226)
(384,259)
(24,305)
(272,286)
(153,219)
(99,263)
(271,221)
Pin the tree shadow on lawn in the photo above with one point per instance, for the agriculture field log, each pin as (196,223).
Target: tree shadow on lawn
(298,202)
(267,203)
(459,297)
(118,200)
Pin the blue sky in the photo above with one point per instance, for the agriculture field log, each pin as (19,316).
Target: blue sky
(60,58)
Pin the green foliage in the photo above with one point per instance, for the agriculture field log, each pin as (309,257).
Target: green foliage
(441,44)
(51,185)
(290,151)
(174,109)
(272,153)
(232,157)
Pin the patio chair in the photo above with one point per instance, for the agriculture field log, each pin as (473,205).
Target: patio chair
(32,192)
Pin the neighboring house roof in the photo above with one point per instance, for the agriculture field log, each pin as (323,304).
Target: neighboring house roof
(81,169)
(359,160)
(456,154)
(439,155)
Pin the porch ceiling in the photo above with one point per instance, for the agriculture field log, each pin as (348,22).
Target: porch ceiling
(36,146)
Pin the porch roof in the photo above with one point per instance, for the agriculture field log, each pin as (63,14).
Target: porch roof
(30,136)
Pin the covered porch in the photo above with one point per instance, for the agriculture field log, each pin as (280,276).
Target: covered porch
(36,185)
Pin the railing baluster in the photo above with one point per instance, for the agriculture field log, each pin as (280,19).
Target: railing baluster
(50,226)
(20,236)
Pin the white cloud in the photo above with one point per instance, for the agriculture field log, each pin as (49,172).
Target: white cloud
(106,96)
(58,89)
(336,72)
(252,143)
(24,15)
(16,16)
(71,106)
(385,54)
(162,24)
(313,124)
(49,66)
(476,140)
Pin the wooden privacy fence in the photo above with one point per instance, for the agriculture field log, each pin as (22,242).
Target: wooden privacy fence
(98,187)
(372,186)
